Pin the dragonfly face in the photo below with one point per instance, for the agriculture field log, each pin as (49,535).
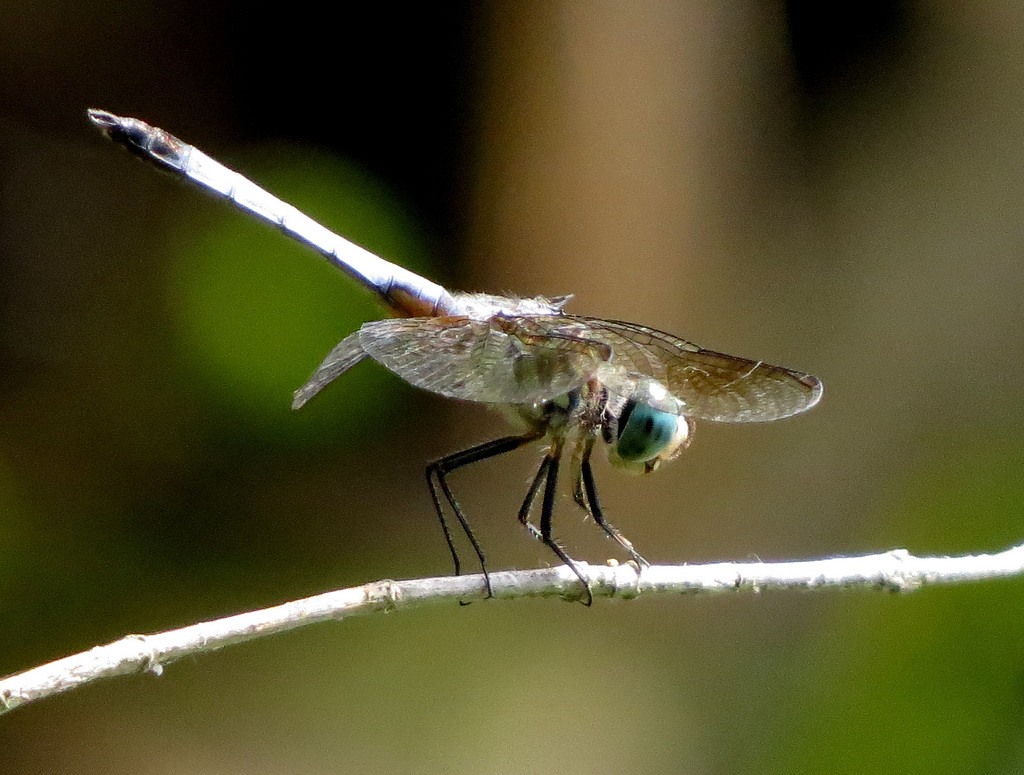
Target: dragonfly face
(572,380)
(640,435)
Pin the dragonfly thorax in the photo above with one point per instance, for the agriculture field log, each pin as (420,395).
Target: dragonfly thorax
(642,428)
(482,306)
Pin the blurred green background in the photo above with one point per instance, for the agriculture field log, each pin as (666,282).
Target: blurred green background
(835,189)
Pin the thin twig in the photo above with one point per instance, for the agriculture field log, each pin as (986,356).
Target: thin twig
(896,570)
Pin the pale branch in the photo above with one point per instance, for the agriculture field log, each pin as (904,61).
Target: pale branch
(896,570)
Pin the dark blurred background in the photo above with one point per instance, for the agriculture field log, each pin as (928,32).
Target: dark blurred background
(836,188)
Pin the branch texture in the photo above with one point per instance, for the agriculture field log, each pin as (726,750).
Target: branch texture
(897,570)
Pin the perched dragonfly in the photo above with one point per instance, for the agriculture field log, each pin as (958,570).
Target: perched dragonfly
(569,380)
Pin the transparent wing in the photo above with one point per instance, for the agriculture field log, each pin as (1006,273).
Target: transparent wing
(710,385)
(506,360)
(529,358)
(339,360)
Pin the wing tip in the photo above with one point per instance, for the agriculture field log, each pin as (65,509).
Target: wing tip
(815,388)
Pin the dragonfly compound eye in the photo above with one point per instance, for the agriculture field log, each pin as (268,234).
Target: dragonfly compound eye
(646,433)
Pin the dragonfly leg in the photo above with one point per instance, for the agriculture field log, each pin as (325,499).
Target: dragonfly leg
(531,498)
(585,495)
(438,484)
(547,509)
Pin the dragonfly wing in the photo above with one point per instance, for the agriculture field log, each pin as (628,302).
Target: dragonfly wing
(504,360)
(710,386)
(724,388)
(339,360)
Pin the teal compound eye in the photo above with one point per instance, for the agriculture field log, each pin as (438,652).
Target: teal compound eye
(644,432)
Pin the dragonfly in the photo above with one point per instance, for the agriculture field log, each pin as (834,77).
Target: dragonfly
(570,381)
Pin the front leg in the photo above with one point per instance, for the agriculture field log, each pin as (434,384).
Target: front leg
(584,492)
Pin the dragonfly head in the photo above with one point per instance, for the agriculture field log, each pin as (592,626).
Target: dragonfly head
(646,428)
